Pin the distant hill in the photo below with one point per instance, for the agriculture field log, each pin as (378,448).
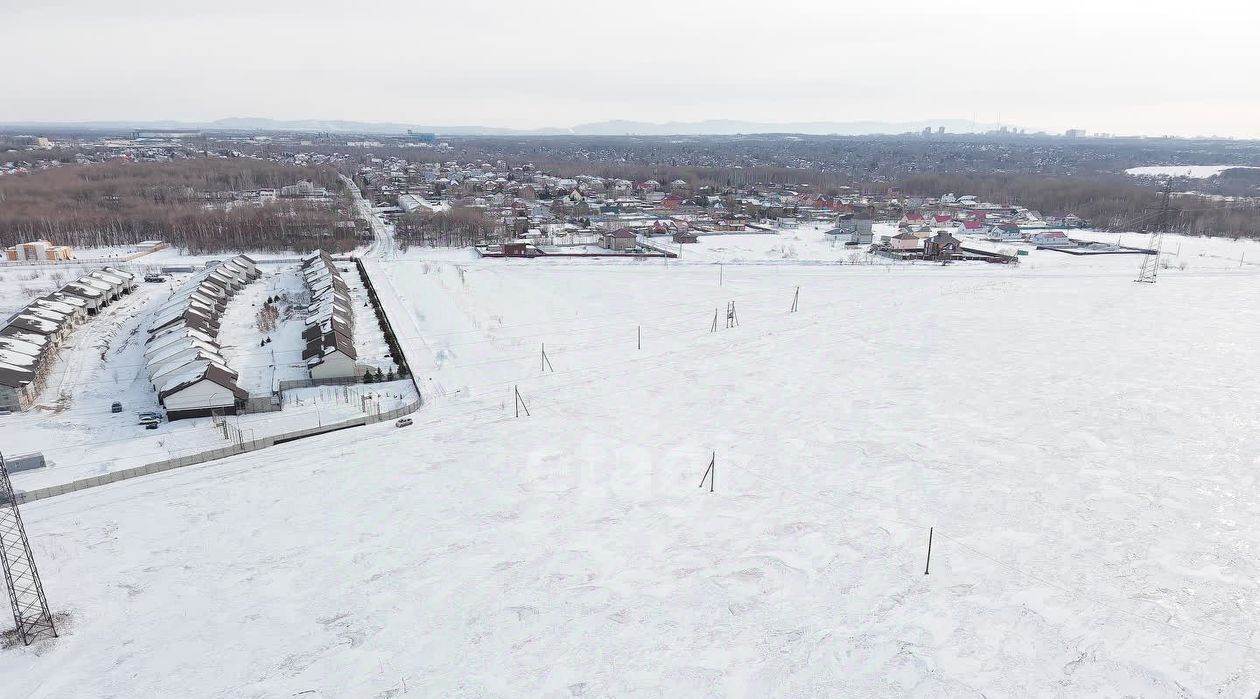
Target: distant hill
(602,128)
(728,126)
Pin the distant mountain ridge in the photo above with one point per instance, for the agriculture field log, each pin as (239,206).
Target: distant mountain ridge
(710,127)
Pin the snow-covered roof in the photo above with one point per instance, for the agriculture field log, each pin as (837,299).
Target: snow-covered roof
(17,344)
(37,309)
(36,323)
(196,372)
(17,359)
(96,283)
(68,299)
(120,273)
(18,333)
(108,278)
(15,376)
(167,334)
(80,289)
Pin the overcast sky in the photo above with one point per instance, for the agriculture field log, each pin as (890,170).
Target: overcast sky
(1121,66)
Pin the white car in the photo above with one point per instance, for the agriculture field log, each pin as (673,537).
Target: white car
(403,422)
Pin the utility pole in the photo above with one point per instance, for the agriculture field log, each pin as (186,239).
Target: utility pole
(26,592)
(710,473)
(520,402)
(545,363)
(927,569)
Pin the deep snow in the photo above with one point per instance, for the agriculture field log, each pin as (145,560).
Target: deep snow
(1085,447)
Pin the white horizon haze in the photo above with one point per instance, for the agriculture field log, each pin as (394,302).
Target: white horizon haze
(1113,66)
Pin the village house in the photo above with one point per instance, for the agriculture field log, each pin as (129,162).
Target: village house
(1006,231)
(905,241)
(911,218)
(620,240)
(941,246)
(972,227)
(1050,239)
(730,224)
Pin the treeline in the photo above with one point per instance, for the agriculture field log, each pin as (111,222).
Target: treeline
(195,204)
(457,227)
(1108,203)
(698,176)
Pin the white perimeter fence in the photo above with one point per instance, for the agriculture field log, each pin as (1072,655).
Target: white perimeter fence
(210,455)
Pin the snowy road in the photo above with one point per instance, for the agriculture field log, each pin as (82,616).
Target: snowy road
(401,316)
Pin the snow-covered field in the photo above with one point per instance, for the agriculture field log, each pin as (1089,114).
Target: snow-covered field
(1193,171)
(263,367)
(1085,448)
(804,244)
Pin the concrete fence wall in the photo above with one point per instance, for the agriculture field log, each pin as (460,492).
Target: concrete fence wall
(209,455)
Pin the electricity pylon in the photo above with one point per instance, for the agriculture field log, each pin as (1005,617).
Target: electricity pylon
(1163,216)
(26,592)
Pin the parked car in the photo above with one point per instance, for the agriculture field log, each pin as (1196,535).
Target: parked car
(154,278)
(149,415)
(151,425)
(403,422)
(116,407)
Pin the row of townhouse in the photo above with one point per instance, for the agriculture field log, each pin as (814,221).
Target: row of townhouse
(183,357)
(329,332)
(30,338)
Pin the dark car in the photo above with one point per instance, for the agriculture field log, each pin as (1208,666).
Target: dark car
(116,407)
(154,278)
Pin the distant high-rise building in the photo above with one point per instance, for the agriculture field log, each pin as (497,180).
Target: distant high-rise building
(940,130)
(1074,133)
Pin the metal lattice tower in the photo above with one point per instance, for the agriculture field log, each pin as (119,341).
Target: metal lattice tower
(26,592)
(1163,216)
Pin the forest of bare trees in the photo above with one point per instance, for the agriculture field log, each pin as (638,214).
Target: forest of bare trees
(1111,203)
(197,204)
(454,228)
